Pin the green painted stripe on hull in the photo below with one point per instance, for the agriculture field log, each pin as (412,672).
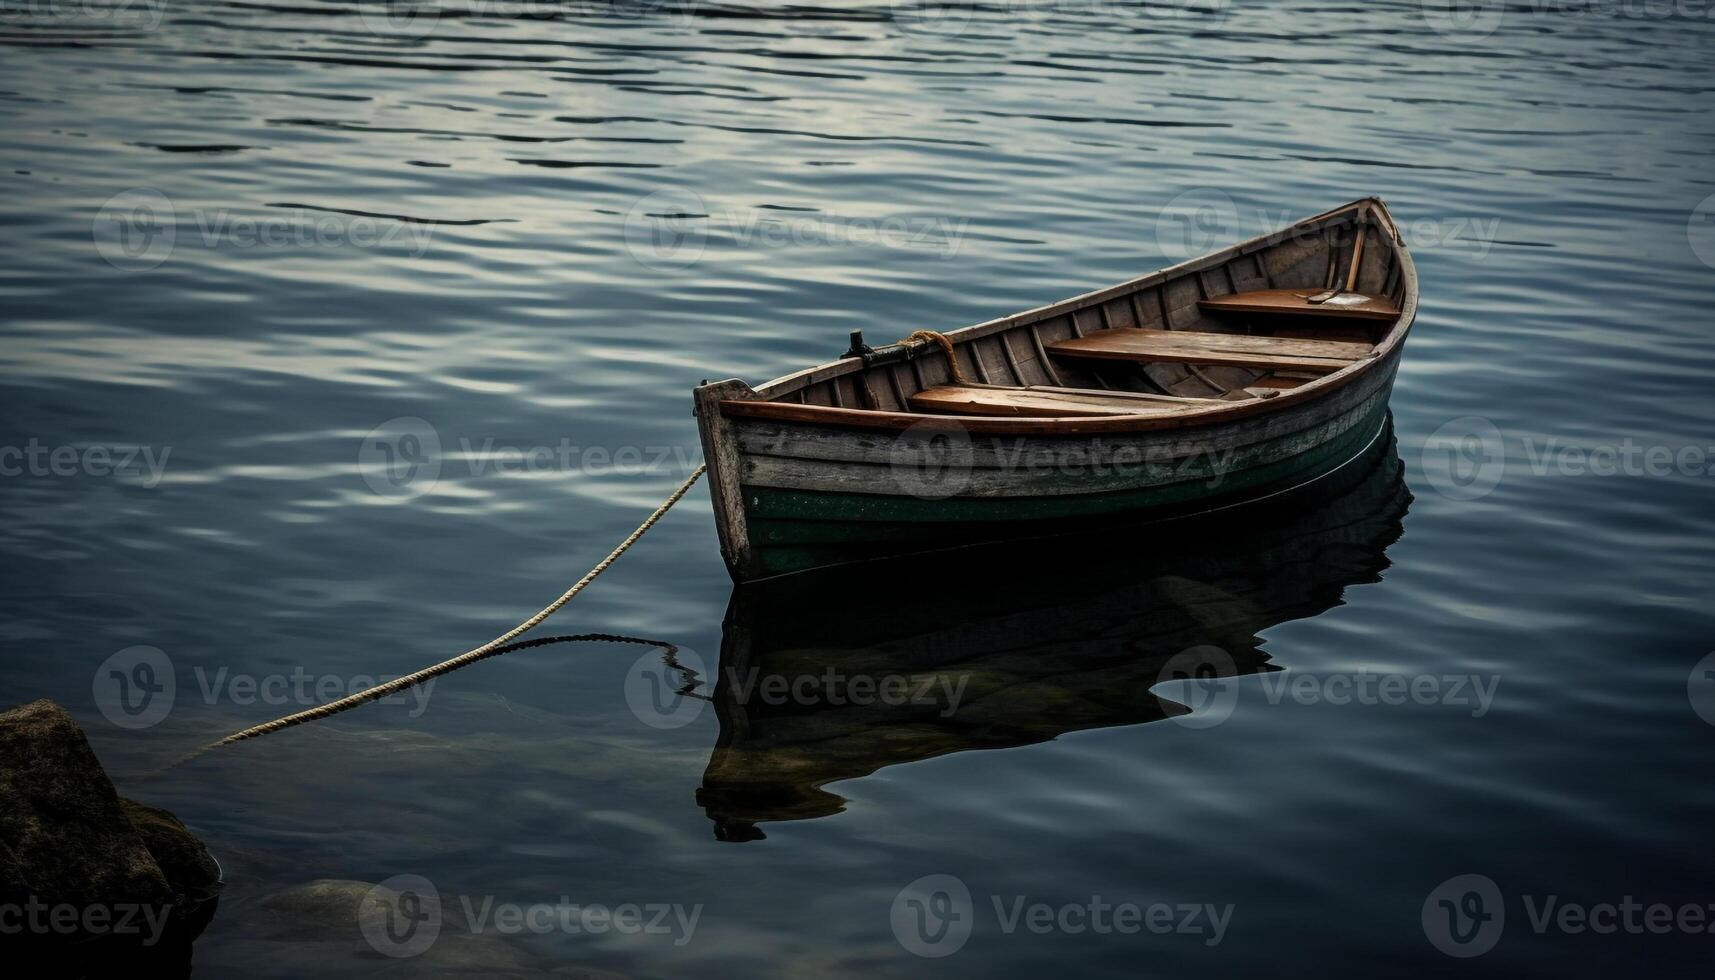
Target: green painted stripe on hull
(828,528)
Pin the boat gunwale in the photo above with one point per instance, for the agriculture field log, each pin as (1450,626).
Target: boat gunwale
(760,403)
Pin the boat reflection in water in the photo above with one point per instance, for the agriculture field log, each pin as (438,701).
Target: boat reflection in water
(838,674)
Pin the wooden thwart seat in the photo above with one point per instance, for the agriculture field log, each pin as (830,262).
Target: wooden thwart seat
(1044,402)
(1228,350)
(1296,303)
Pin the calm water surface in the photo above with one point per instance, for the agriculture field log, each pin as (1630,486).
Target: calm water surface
(246,235)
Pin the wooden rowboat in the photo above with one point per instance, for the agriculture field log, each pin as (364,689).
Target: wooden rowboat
(1246,372)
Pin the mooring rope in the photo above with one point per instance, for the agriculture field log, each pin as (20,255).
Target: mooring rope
(492,646)
(935,336)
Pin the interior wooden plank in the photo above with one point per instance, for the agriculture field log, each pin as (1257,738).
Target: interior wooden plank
(903,382)
(1037,403)
(995,368)
(1351,331)
(1054,328)
(1372,271)
(1262,272)
(1045,333)
(1212,282)
(1015,360)
(1021,355)
(1231,350)
(1147,304)
(1391,280)
(1238,278)
(1119,313)
(1292,302)
(1179,304)
(1133,300)
(1088,322)
(979,366)
(1147,396)
(882,388)
(1298,262)
(1034,335)
(1279,382)
(1245,274)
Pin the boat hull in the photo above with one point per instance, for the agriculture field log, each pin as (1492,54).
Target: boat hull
(814,496)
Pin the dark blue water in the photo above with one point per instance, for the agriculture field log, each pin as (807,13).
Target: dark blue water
(240,238)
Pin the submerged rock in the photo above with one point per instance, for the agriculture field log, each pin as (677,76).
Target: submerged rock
(66,836)
(189,868)
(84,870)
